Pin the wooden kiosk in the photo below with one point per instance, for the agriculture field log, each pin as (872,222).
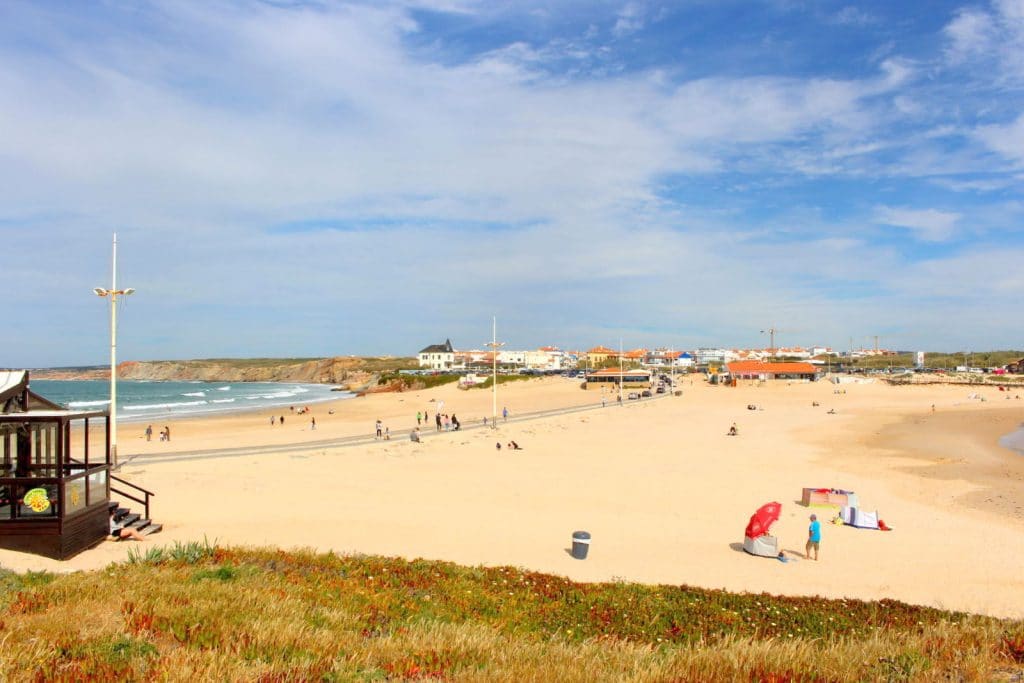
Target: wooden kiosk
(54,500)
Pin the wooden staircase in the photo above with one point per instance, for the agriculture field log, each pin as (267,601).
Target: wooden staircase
(127,518)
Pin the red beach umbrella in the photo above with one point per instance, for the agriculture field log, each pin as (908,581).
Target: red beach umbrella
(762,520)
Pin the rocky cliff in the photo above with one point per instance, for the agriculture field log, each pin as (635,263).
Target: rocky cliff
(352,372)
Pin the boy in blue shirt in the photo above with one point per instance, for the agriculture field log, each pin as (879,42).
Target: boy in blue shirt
(813,538)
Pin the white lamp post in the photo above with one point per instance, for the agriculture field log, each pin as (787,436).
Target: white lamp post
(113,293)
(620,372)
(495,345)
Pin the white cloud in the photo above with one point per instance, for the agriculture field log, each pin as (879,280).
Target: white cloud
(853,16)
(1007,140)
(630,20)
(970,33)
(929,225)
(992,39)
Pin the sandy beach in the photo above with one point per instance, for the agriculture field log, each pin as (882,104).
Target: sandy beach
(663,490)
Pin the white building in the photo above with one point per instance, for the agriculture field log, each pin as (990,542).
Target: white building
(438,356)
(710,356)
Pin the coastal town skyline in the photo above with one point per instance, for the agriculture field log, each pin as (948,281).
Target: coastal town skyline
(307,178)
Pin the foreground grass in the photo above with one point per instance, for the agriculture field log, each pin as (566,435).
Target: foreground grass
(198,612)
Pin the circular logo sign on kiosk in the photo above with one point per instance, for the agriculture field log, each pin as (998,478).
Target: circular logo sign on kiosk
(37,500)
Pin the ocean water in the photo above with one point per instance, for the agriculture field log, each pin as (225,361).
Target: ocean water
(142,400)
(1014,440)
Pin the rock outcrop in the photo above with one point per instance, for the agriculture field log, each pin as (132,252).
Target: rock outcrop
(354,373)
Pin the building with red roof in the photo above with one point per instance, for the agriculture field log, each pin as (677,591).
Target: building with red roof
(755,369)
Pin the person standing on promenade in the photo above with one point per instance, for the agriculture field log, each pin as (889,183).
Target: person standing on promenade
(813,538)
(380,429)
(149,432)
(504,413)
(437,421)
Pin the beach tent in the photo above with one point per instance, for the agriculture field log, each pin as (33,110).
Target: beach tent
(862,519)
(763,546)
(756,539)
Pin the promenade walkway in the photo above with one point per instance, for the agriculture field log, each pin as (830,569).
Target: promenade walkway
(365,440)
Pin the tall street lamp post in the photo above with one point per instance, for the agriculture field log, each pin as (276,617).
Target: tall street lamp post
(620,372)
(495,345)
(113,293)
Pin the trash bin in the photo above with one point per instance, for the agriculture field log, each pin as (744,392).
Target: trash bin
(580,544)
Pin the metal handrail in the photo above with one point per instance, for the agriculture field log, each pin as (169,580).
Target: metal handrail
(144,502)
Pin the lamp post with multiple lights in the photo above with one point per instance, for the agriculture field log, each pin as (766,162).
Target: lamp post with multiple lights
(113,293)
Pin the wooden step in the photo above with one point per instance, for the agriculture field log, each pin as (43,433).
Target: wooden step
(129,519)
(140,524)
(113,505)
(151,529)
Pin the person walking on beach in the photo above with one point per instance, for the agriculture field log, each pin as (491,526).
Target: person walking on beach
(272,420)
(813,538)
(281,420)
(312,424)
(504,413)
(387,433)
(419,418)
(167,433)
(149,432)
(380,429)
(437,421)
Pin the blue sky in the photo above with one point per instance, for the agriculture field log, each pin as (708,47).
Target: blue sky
(330,178)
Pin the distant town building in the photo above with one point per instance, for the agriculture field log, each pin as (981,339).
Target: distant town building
(438,356)
(664,358)
(705,357)
(1016,367)
(754,369)
(611,377)
(600,354)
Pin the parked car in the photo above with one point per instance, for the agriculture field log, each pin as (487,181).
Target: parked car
(646,393)
(633,396)
(660,390)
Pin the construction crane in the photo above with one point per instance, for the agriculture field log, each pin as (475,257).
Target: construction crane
(772,331)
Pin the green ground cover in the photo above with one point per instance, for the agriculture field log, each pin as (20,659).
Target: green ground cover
(196,611)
